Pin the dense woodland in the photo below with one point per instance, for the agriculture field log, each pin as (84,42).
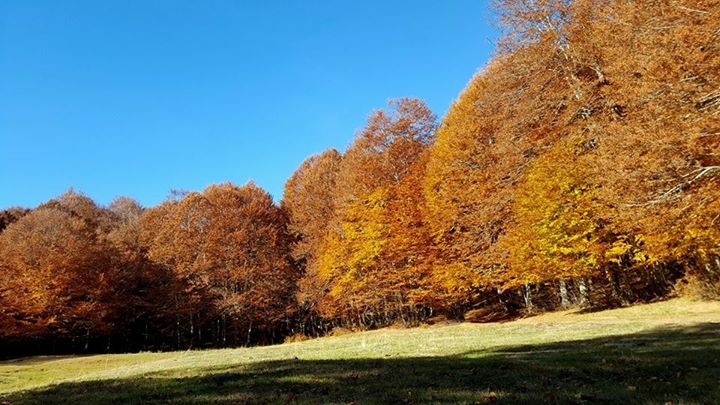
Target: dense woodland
(580,167)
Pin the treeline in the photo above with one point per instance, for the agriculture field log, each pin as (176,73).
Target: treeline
(201,269)
(581,167)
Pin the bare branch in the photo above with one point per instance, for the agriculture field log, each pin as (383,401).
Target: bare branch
(668,195)
(694,10)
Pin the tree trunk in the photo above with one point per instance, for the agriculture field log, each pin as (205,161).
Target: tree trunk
(247,343)
(613,275)
(527,297)
(583,290)
(564,301)
(177,330)
(224,331)
(192,329)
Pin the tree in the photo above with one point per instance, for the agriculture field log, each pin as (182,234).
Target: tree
(409,254)
(58,276)
(359,274)
(229,250)
(308,202)
(11,215)
(383,151)
(144,290)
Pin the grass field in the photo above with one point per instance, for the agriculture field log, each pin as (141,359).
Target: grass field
(656,353)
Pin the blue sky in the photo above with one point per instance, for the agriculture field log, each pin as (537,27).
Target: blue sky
(139,97)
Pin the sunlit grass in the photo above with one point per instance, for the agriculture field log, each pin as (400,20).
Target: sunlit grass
(649,353)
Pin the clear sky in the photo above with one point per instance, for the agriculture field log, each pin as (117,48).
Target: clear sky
(137,97)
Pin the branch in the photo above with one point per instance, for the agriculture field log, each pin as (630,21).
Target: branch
(694,176)
(693,10)
(470,164)
(709,134)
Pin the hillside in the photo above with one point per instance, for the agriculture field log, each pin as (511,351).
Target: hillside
(654,353)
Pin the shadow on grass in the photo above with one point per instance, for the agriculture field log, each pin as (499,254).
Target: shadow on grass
(32,360)
(680,365)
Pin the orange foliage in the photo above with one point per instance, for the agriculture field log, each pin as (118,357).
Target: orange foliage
(583,160)
(57,274)
(228,249)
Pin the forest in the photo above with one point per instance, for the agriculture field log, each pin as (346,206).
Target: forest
(579,168)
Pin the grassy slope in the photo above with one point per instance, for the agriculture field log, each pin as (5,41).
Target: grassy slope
(668,351)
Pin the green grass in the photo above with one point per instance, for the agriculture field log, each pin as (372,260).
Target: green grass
(656,353)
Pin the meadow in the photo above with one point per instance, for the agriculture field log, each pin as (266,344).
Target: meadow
(665,352)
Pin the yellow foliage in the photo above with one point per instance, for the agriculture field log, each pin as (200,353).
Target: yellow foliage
(556,222)
(365,230)
(349,258)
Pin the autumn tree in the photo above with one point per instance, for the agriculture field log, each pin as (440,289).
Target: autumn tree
(309,204)
(409,254)
(579,167)
(11,215)
(354,265)
(143,317)
(561,232)
(627,88)
(657,154)
(228,248)
(383,152)
(58,276)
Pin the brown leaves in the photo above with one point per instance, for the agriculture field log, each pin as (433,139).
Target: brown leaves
(587,148)
(58,269)
(229,246)
(358,218)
